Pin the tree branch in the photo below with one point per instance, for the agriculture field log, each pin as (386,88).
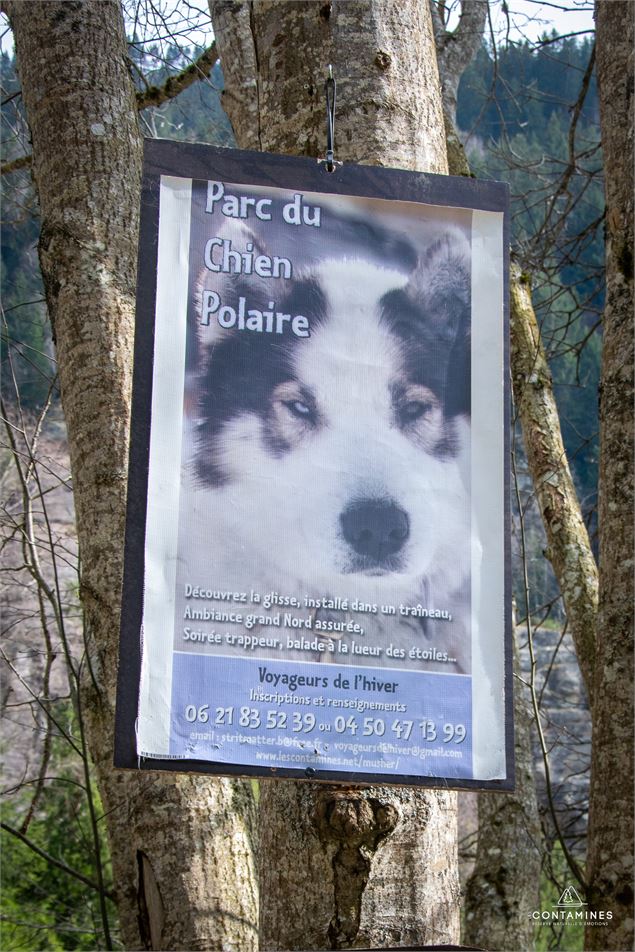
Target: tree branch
(569,549)
(157,95)
(233,28)
(55,862)
(22,162)
(152,96)
(457,48)
(572,166)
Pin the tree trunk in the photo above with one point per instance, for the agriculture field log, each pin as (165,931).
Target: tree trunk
(610,851)
(455,51)
(457,48)
(345,867)
(178,884)
(275,55)
(503,889)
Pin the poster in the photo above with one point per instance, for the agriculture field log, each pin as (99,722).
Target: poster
(316,546)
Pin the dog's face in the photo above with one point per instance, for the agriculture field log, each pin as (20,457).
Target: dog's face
(338,455)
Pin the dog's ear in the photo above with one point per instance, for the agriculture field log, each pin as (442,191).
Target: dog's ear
(441,288)
(441,285)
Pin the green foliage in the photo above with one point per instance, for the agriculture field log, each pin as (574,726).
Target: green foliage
(44,907)
(26,334)
(565,936)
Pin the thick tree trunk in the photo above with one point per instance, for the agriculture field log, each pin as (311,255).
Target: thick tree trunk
(344,867)
(503,889)
(178,883)
(275,55)
(610,851)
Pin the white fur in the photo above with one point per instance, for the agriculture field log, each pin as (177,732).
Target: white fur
(275,523)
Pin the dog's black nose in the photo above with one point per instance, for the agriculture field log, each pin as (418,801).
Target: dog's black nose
(375,528)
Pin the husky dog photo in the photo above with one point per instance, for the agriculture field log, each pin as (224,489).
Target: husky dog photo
(326,450)
(319,473)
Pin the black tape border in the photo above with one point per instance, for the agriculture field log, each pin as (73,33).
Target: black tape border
(197,161)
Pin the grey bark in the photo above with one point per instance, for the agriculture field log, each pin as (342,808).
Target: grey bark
(181,847)
(503,889)
(569,549)
(455,51)
(610,849)
(345,867)
(275,57)
(349,867)
(457,48)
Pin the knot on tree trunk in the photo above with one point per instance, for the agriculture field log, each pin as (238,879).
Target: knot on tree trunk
(351,826)
(354,820)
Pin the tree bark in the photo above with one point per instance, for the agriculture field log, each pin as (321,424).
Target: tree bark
(275,55)
(455,51)
(177,83)
(345,867)
(610,850)
(179,884)
(569,549)
(457,48)
(503,889)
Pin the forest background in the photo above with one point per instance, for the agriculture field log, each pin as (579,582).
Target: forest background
(517,104)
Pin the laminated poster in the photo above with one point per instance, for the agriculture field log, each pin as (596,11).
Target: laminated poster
(317,567)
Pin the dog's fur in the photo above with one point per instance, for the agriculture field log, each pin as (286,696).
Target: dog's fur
(292,438)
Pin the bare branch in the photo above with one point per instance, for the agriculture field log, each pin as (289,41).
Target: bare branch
(572,165)
(55,862)
(569,548)
(10,98)
(200,68)
(14,165)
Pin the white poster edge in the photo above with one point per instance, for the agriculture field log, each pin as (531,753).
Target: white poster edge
(153,722)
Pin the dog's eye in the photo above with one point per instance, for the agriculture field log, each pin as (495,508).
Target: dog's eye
(299,409)
(413,410)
